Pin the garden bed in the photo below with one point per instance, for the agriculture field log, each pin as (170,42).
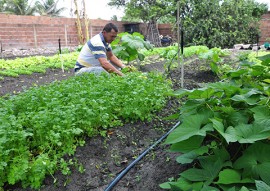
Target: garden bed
(103,158)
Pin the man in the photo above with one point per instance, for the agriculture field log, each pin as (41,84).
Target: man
(96,55)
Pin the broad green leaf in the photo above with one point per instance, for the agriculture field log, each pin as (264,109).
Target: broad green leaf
(191,106)
(237,73)
(219,154)
(193,125)
(231,176)
(262,186)
(267,81)
(214,67)
(228,110)
(234,188)
(138,35)
(182,184)
(141,56)
(237,117)
(205,175)
(187,158)
(201,93)
(265,59)
(250,133)
(187,145)
(231,189)
(190,156)
(148,46)
(228,135)
(262,114)
(209,188)
(181,92)
(211,166)
(251,97)
(229,88)
(255,162)
(195,93)
(243,188)
(257,70)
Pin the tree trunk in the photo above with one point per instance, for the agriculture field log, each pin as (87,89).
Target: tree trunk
(78,23)
(86,22)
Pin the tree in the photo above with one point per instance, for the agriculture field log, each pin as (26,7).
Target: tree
(220,23)
(145,10)
(78,23)
(82,38)
(19,7)
(217,23)
(148,11)
(48,7)
(114,18)
(2,5)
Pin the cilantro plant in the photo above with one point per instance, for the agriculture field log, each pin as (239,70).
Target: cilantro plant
(41,125)
(39,64)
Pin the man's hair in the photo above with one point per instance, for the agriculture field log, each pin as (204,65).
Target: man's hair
(108,27)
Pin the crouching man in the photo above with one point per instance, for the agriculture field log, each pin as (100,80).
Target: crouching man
(96,55)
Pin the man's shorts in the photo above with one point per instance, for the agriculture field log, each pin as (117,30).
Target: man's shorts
(95,70)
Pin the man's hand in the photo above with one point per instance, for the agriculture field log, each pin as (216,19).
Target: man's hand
(129,69)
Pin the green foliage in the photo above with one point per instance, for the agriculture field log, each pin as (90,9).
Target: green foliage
(48,8)
(214,23)
(225,131)
(41,125)
(218,23)
(18,7)
(143,10)
(28,65)
(127,46)
(171,52)
(25,7)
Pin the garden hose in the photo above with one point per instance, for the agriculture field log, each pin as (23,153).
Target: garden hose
(121,175)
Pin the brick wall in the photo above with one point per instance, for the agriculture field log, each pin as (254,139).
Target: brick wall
(165,29)
(265,28)
(24,32)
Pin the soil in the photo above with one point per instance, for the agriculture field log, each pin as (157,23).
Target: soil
(103,158)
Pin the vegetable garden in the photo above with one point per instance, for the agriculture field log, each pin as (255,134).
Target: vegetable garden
(80,132)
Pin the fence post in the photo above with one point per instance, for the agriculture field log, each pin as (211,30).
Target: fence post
(66,36)
(35,35)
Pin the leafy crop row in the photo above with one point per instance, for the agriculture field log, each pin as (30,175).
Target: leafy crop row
(39,64)
(225,131)
(39,126)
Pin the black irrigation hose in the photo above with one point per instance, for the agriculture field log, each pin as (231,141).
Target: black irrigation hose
(118,178)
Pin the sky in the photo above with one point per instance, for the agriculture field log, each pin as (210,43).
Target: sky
(95,9)
(99,9)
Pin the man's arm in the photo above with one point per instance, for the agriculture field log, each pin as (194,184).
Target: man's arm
(109,67)
(115,60)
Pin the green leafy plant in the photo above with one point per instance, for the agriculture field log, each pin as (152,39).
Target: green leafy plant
(39,64)
(225,132)
(40,126)
(127,46)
